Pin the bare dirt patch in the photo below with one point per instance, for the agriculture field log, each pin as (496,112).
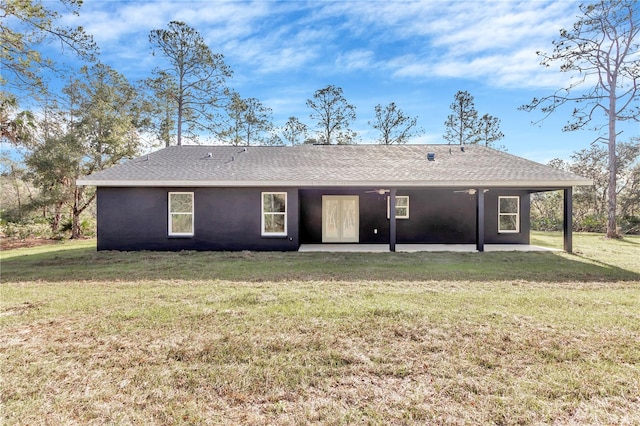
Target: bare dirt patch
(15,243)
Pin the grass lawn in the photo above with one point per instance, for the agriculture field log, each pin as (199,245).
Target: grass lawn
(304,338)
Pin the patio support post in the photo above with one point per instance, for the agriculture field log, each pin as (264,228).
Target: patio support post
(480,220)
(568,220)
(392,220)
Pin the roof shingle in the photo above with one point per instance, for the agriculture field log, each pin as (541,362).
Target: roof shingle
(333,165)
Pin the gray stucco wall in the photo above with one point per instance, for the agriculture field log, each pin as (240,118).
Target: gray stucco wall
(224,219)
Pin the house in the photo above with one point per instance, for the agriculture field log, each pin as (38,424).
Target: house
(277,198)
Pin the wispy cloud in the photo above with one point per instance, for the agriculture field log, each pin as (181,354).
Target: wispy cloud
(354,60)
(495,41)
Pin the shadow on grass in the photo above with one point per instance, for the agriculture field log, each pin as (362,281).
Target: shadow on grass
(86,264)
(629,241)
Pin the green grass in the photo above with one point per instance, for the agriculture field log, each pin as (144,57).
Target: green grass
(595,260)
(313,338)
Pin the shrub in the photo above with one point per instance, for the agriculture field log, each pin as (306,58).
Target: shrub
(591,223)
(26,230)
(630,225)
(546,224)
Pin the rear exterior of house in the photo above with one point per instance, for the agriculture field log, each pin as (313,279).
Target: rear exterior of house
(277,198)
(232,219)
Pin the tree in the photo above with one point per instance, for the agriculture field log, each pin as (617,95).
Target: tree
(333,115)
(235,110)
(16,127)
(249,122)
(489,130)
(462,124)
(25,25)
(590,203)
(100,130)
(629,196)
(160,106)
(258,123)
(107,125)
(53,166)
(547,211)
(602,49)
(294,131)
(16,189)
(394,126)
(198,75)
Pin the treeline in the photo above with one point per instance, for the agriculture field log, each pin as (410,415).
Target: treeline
(590,203)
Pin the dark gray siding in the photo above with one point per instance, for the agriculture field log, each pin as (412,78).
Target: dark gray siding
(229,218)
(491,218)
(373,215)
(224,219)
(436,216)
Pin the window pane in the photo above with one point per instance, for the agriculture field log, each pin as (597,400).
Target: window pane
(402,201)
(274,203)
(509,205)
(401,212)
(508,223)
(274,223)
(180,203)
(181,224)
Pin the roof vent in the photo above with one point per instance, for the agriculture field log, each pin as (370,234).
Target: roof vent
(461,148)
(209,154)
(431,156)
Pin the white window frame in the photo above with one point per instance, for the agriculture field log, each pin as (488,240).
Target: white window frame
(264,233)
(397,215)
(170,214)
(516,214)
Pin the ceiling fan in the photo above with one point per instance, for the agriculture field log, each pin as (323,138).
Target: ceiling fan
(378,191)
(471,191)
(468,191)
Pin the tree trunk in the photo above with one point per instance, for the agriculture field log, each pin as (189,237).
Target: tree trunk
(57,215)
(76,232)
(180,112)
(16,184)
(79,206)
(612,227)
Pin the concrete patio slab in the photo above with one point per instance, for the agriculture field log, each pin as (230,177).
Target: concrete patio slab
(413,248)
(345,248)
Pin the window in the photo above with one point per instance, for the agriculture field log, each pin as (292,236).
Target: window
(181,214)
(274,213)
(402,207)
(508,214)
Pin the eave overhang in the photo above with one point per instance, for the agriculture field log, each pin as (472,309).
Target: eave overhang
(524,184)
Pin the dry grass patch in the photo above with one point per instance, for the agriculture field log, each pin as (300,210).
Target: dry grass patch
(300,352)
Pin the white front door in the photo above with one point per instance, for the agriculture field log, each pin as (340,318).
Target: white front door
(340,219)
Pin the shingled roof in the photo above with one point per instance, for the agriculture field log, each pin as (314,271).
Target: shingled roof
(333,166)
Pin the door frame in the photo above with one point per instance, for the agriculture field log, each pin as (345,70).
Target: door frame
(340,238)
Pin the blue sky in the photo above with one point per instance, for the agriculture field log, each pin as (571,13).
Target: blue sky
(416,54)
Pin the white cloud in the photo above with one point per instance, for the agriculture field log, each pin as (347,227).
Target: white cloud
(280,50)
(358,59)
